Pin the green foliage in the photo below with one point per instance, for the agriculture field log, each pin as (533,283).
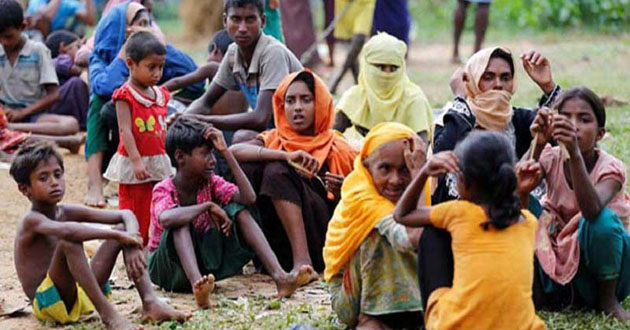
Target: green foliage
(607,15)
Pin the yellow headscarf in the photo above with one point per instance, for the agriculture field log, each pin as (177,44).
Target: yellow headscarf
(361,206)
(381,96)
(492,109)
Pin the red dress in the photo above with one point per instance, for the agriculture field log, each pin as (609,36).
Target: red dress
(148,126)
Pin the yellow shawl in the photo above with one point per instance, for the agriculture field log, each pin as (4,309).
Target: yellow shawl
(492,109)
(361,207)
(381,96)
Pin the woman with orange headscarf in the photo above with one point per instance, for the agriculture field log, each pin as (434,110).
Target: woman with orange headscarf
(297,170)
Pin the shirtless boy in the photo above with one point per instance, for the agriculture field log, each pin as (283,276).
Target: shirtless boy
(49,257)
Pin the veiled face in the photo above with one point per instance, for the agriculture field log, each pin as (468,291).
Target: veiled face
(498,76)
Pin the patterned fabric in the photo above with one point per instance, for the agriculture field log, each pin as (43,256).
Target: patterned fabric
(48,306)
(557,245)
(165,198)
(361,288)
(10,140)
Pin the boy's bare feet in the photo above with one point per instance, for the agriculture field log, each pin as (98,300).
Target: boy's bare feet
(158,311)
(202,289)
(287,285)
(120,323)
(72,143)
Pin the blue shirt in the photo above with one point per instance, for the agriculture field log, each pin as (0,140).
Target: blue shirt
(65,18)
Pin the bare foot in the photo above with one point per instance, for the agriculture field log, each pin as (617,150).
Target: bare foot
(119,323)
(287,285)
(202,289)
(370,323)
(159,311)
(615,310)
(94,197)
(72,143)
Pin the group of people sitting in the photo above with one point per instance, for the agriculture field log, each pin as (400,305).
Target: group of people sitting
(468,220)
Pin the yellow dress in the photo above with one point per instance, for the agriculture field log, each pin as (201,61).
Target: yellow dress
(356,20)
(493,273)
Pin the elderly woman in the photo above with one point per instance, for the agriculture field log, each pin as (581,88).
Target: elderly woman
(297,170)
(107,72)
(384,92)
(370,259)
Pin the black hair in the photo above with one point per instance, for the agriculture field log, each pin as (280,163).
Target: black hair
(54,40)
(28,156)
(487,163)
(222,40)
(502,54)
(185,134)
(11,15)
(308,79)
(258,4)
(143,44)
(587,96)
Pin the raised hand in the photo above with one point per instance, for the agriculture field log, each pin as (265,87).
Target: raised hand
(216,136)
(528,175)
(565,133)
(442,163)
(541,126)
(538,68)
(415,154)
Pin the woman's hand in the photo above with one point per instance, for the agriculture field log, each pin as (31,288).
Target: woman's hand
(565,133)
(303,162)
(333,183)
(140,170)
(415,154)
(221,220)
(538,68)
(528,175)
(458,87)
(441,163)
(541,126)
(216,137)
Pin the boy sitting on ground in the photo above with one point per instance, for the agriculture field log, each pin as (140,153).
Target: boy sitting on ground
(192,238)
(49,257)
(28,83)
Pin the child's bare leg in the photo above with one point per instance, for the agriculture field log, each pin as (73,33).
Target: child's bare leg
(290,215)
(202,285)
(152,308)
(69,265)
(46,124)
(254,237)
(70,142)
(94,195)
(608,300)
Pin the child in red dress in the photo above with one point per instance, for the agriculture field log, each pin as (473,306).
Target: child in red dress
(141,161)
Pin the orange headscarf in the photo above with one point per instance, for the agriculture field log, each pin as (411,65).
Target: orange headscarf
(324,145)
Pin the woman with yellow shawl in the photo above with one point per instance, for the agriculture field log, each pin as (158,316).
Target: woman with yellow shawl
(484,90)
(384,92)
(370,259)
(297,170)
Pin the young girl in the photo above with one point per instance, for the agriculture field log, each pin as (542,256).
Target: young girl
(492,240)
(193,241)
(582,244)
(141,159)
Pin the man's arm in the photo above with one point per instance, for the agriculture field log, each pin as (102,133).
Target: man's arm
(203,105)
(255,120)
(51,97)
